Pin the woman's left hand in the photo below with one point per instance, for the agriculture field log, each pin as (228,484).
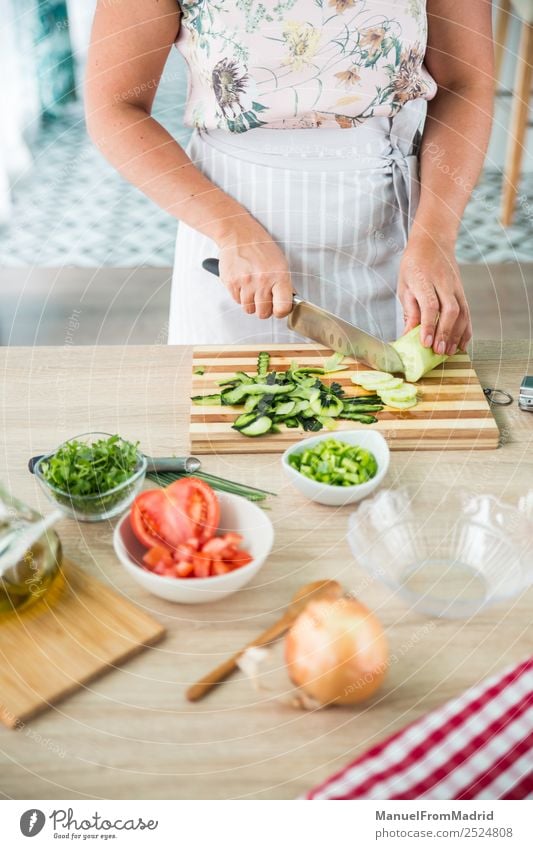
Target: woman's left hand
(431,292)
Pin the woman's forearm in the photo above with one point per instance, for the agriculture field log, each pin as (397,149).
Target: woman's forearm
(454,144)
(147,156)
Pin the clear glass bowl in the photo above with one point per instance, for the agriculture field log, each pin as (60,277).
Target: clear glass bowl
(103,505)
(451,555)
(25,580)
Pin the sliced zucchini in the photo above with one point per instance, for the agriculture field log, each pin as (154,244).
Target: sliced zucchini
(327,405)
(407,392)
(257,427)
(263,362)
(285,408)
(206,400)
(377,386)
(400,405)
(359,417)
(243,377)
(311,424)
(360,408)
(243,420)
(371,376)
(251,403)
(234,395)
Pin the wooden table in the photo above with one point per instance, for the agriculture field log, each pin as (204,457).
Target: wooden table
(131,734)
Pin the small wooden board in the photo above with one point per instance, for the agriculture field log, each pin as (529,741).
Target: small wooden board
(453,412)
(78,630)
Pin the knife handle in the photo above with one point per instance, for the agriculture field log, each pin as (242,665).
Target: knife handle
(190,465)
(212,265)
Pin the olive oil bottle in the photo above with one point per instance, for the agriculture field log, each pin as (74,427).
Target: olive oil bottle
(24,582)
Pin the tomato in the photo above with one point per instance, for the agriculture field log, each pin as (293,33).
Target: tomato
(186,512)
(178,525)
(155,522)
(184,568)
(158,555)
(195,500)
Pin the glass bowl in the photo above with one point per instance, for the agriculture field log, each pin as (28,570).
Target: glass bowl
(103,505)
(25,580)
(451,555)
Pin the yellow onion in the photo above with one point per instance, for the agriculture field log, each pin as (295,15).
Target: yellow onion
(336,651)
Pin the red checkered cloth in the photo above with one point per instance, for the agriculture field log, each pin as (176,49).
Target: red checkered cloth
(478,746)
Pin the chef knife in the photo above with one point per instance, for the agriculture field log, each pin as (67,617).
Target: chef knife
(322,326)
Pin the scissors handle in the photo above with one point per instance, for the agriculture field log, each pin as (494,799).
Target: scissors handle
(499,397)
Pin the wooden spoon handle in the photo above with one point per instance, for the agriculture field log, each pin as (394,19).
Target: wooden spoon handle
(204,685)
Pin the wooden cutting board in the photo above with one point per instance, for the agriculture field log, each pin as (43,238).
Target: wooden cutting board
(78,630)
(452,413)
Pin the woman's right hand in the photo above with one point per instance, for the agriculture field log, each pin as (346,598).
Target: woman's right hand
(256,273)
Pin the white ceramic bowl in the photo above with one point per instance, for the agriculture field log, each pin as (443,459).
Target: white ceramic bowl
(236,514)
(335,496)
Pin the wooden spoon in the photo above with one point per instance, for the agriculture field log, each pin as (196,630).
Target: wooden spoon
(300,600)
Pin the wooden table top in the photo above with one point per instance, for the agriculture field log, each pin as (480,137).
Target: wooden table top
(131,733)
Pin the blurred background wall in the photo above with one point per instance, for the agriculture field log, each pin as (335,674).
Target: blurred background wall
(76,239)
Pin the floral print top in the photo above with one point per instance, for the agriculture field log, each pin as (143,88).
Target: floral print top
(301,63)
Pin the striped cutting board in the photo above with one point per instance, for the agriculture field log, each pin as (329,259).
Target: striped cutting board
(452,413)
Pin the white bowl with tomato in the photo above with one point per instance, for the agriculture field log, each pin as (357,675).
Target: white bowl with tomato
(188,544)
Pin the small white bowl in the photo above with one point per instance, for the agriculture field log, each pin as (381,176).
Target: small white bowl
(236,514)
(335,496)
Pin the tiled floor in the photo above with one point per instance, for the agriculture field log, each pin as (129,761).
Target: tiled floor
(73,209)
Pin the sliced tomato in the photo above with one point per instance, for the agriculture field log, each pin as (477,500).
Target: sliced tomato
(156,522)
(196,502)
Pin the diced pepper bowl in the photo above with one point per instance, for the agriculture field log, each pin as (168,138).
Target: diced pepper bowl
(333,495)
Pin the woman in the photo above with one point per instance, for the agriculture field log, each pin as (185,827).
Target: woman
(302,171)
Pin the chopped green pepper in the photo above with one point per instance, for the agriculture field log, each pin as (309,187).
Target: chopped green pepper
(335,463)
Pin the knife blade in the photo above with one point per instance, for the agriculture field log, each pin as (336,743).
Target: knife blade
(334,332)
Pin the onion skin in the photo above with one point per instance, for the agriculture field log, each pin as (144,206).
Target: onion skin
(337,652)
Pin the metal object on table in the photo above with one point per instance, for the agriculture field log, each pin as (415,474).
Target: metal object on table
(498,397)
(154,464)
(525,399)
(334,332)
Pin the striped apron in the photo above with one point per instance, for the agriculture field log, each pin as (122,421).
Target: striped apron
(339,202)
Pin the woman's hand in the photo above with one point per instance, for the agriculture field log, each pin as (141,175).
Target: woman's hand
(255,272)
(431,293)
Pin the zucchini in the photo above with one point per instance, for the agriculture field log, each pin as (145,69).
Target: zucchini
(263,362)
(251,403)
(257,427)
(361,408)
(359,417)
(417,359)
(304,372)
(400,405)
(285,408)
(311,424)
(243,377)
(243,420)
(268,389)
(234,395)
(206,400)
(327,405)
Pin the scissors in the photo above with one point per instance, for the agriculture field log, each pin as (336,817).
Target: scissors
(499,397)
